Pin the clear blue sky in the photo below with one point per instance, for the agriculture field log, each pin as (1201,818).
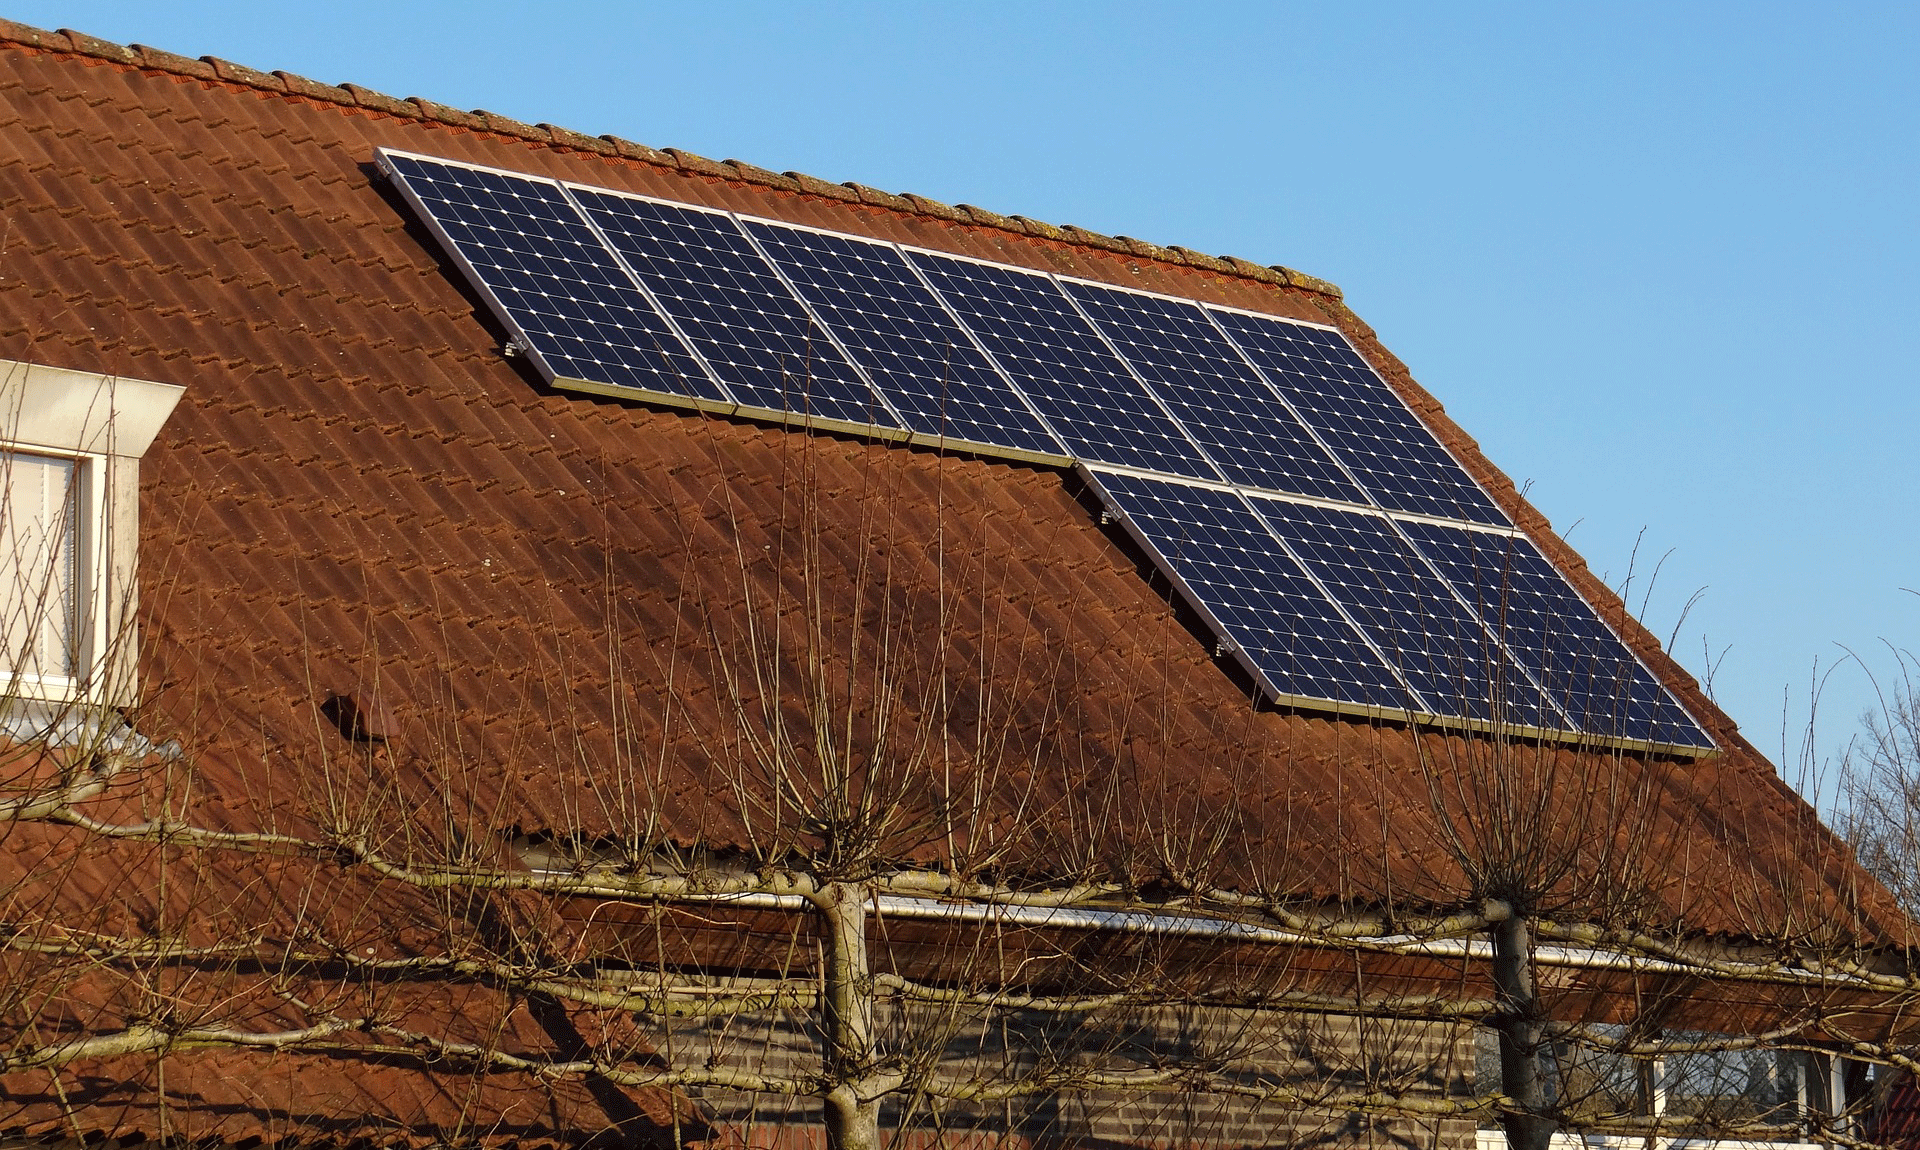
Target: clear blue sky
(1660,259)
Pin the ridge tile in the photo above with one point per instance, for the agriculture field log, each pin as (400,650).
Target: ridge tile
(299,85)
(580,141)
(380,101)
(165,61)
(241,74)
(507,125)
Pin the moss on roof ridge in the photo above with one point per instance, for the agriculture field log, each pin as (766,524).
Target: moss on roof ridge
(213,68)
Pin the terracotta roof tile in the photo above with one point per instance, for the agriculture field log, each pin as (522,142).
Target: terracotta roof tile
(445,114)
(628,149)
(296,85)
(818,187)
(241,74)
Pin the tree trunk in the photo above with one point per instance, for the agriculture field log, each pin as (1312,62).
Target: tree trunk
(1522,1036)
(853,1122)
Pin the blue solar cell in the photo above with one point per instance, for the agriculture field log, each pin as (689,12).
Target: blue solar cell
(1323,603)
(1222,401)
(1409,613)
(1235,571)
(1551,629)
(1368,426)
(1086,394)
(529,251)
(733,307)
(894,327)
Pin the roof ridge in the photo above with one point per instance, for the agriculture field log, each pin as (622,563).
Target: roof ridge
(212,68)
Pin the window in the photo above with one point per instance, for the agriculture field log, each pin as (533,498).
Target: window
(70,448)
(40,508)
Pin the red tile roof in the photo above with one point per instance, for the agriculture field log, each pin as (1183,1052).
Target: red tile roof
(360,494)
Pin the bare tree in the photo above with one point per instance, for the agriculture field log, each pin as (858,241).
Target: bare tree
(855,852)
(1879,787)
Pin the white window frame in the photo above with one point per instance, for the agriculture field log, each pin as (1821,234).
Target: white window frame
(83,632)
(104,423)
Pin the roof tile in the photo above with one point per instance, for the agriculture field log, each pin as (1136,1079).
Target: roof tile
(761,175)
(880,199)
(508,126)
(935,208)
(447,114)
(568,138)
(1253,270)
(688,161)
(164,61)
(17,33)
(821,187)
(241,74)
(98,48)
(1040,228)
(314,90)
(380,101)
(633,151)
(987,218)
(1313,284)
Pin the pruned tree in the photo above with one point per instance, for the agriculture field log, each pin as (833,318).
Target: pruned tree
(1879,787)
(856,854)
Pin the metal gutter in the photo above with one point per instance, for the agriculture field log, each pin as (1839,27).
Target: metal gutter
(1234,930)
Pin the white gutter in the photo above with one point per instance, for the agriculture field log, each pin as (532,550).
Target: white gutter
(1200,926)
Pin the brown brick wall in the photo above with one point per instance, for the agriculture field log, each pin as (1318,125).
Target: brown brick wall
(1316,1059)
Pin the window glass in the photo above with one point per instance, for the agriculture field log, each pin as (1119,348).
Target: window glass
(39,565)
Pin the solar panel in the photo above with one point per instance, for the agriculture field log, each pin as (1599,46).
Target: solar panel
(1365,422)
(1084,392)
(1296,500)
(1234,571)
(1252,436)
(1548,627)
(1411,615)
(550,279)
(892,325)
(735,310)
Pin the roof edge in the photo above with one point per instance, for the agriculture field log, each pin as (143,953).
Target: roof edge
(214,69)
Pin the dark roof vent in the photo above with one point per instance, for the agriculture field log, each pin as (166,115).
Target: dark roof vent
(360,716)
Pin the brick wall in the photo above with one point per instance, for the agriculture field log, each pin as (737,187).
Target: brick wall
(1310,1062)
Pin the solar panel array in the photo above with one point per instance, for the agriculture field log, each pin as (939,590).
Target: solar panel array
(1341,552)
